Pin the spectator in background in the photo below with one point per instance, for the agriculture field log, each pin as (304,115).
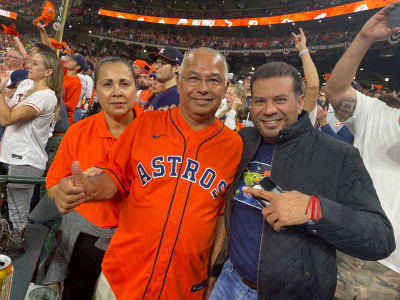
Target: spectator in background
(336,130)
(143,71)
(236,100)
(73,65)
(167,63)
(28,129)
(144,81)
(15,79)
(376,131)
(90,68)
(12,60)
(152,78)
(156,89)
(247,88)
(86,94)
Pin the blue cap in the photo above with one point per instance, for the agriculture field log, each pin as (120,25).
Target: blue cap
(80,60)
(170,54)
(17,76)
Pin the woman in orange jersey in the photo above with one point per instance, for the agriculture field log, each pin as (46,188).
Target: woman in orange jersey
(86,231)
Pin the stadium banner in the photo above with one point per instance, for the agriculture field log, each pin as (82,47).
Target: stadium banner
(314,49)
(286,51)
(289,18)
(8,14)
(267,52)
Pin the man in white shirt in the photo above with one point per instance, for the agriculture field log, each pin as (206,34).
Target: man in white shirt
(376,129)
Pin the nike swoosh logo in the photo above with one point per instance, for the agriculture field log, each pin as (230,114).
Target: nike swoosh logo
(157,136)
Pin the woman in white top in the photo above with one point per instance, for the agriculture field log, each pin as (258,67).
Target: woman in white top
(28,126)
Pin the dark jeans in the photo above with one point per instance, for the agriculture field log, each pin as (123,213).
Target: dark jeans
(84,269)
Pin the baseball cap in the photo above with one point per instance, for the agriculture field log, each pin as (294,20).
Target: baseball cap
(17,76)
(80,60)
(90,65)
(170,54)
(144,65)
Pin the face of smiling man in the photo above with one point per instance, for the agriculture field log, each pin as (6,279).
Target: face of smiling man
(201,86)
(274,106)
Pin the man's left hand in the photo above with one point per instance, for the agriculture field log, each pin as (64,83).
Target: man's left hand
(285,209)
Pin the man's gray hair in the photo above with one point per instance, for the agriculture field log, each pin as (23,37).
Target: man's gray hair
(204,50)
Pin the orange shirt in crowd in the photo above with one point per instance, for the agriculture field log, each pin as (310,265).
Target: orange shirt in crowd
(144,98)
(176,179)
(87,141)
(72,93)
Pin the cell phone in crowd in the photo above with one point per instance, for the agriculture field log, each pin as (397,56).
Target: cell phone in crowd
(394,17)
(266,184)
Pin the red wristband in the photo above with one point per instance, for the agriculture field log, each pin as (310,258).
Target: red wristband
(308,206)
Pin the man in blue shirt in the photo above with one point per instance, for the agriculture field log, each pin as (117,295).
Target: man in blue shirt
(167,63)
(286,250)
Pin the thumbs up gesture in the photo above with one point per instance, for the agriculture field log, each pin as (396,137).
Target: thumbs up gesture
(73,190)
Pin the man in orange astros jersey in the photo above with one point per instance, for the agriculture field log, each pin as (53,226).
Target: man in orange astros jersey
(174,168)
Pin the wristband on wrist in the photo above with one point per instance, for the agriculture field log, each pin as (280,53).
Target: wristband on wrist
(315,209)
(303,51)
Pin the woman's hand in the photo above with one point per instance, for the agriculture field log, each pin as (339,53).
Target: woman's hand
(236,104)
(300,40)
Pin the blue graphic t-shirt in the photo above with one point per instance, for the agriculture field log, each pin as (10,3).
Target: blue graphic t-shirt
(247,220)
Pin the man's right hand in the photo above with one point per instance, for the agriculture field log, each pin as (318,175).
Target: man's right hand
(73,190)
(376,28)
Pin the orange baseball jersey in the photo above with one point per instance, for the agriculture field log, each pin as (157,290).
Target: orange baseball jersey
(87,141)
(72,93)
(176,179)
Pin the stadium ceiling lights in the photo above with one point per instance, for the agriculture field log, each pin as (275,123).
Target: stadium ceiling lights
(289,18)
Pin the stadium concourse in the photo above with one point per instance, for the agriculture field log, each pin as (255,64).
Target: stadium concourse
(138,139)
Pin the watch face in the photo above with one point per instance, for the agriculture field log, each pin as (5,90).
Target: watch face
(394,17)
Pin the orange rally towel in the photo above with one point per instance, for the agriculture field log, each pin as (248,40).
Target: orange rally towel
(57,45)
(48,14)
(10,29)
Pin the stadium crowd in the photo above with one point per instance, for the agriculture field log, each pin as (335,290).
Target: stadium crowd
(191,40)
(162,168)
(14,5)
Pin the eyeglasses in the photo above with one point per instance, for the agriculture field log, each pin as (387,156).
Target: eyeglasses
(212,82)
(160,63)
